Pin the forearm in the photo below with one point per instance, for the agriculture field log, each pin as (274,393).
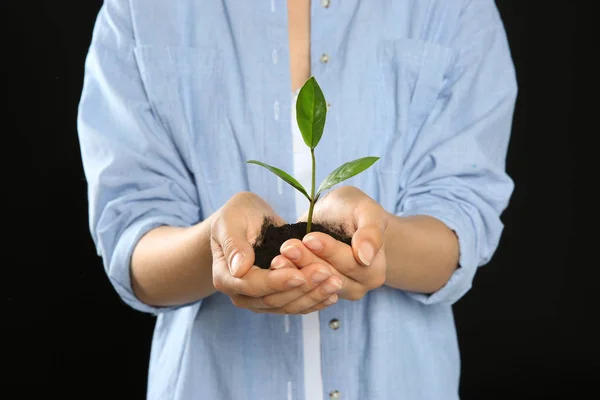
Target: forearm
(172,266)
(421,253)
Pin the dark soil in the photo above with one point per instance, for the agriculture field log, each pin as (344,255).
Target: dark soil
(271,238)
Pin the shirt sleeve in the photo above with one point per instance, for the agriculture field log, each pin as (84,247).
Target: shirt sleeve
(455,170)
(137,179)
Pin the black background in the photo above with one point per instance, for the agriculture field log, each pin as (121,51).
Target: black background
(526,328)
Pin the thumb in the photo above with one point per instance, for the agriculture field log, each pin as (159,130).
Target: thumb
(230,237)
(368,238)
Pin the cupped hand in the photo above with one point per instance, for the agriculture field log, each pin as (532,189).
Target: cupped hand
(318,292)
(236,225)
(280,290)
(361,266)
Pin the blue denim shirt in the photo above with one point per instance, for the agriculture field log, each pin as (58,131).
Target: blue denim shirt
(179,94)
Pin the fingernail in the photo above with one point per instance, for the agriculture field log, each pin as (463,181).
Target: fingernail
(295,282)
(279,266)
(331,300)
(313,243)
(366,253)
(236,263)
(291,252)
(332,286)
(320,275)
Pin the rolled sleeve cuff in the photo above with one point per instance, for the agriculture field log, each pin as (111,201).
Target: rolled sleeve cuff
(461,280)
(119,272)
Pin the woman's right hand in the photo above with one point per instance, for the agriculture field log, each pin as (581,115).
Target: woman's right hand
(235,226)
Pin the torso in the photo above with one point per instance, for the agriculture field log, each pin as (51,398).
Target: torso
(222,90)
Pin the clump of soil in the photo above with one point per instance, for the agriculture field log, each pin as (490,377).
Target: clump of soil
(271,238)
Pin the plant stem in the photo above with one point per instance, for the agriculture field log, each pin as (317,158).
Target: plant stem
(312,193)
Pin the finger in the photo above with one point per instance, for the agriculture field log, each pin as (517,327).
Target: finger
(318,307)
(368,238)
(367,242)
(230,235)
(259,282)
(295,251)
(343,264)
(220,270)
(322,305)
(315,274)
(281,261)
(314,297)
(336,253)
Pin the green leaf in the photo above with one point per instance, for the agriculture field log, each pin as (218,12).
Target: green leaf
(311,110)
(346,171)
(283,175)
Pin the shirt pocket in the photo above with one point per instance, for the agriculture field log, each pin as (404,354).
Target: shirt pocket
(187,91)
(184,87)
(412,75)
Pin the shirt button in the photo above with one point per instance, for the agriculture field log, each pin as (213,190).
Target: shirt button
(325,3)
(334,324)
(334,394)
(275,56)
(324,58)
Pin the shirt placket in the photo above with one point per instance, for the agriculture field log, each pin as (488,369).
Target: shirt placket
(324,50)
(277,147)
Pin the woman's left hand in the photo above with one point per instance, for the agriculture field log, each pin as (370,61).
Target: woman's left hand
(361,266)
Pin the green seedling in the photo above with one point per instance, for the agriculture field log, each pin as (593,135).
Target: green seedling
(311,111)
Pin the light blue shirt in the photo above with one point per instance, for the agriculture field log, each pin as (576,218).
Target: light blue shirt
(179,94)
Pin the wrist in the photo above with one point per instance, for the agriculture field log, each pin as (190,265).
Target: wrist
(394,224)
(421,253)
(391,224)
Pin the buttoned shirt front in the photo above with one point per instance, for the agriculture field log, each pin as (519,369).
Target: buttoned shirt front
(178,95)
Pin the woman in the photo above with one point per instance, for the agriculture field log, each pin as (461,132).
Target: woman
(179,95)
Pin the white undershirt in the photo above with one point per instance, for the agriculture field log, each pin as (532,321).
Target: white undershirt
(313,381)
